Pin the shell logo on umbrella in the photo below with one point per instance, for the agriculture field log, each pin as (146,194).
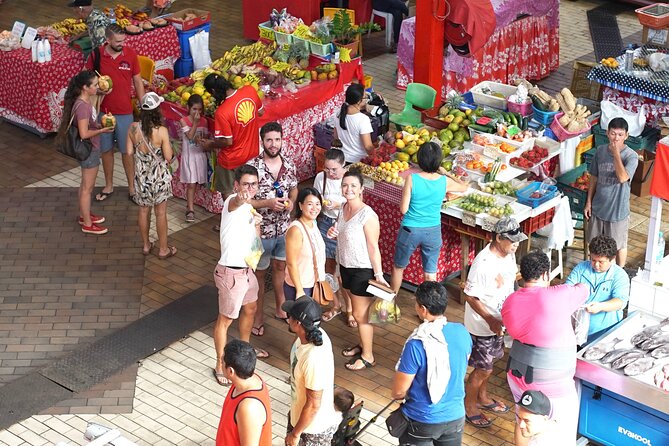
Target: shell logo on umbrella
(246,110)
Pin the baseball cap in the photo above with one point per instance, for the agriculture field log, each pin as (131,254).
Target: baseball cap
(536,402)
(304,310)
(76,3)
(151,100)
(509,228)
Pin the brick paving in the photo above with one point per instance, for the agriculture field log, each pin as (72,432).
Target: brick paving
(69,288)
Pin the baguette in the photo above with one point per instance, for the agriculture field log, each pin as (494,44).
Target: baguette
(568,98)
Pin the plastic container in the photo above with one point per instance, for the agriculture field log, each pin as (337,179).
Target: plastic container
(577,197)
(544,117)
(533,224)
(47,51)
(177,19)
(320,49)
(654,16)
(183,37)
(481,98)
(524,109)
(183,67)
(647,140)
(283,38)
(524,195)
(561,133)
(660,248)
(266,32)
(492,152)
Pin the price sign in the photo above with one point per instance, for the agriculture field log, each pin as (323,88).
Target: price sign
(469,219)
(367,183)
(489,222)
(28,37)
(18,28)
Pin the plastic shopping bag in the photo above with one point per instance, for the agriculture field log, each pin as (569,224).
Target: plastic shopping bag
(384,311)
(199,48)
(635,121)
(580,320)
(253,258)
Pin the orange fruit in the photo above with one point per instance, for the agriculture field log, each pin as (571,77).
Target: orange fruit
(504,166)
(469,165)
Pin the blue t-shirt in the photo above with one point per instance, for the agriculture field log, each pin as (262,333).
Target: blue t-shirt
(425,204)
(603,286)
(418,405)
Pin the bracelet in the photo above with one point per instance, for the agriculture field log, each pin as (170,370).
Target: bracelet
(378,274)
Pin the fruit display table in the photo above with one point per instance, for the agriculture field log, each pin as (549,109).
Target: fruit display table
(297,113)
(31,94)
(526,48)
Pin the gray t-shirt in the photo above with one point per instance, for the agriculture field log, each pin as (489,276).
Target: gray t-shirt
(612,198)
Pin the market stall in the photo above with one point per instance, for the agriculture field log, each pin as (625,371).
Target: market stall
(527,47)
(31,93)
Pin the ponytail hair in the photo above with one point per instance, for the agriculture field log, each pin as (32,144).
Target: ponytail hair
(74,88)
(354,94)
(217,86)
(313,334)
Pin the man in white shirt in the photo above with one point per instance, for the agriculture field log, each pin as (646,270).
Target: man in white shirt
(533,412)
(490,281)
(313,420)
(235,280)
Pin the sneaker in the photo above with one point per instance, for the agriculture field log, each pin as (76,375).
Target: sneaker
(94,229)
(95,219)
(190,217)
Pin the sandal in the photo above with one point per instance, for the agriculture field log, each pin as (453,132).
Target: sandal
(190,217)
(350,320)
(351,365)
(102,195)
(478,420)
(173,252)
(331,314)
(352,352)
(258,331)
(260,353)
(220,378)
(285,319)
(148,251)
(495,407)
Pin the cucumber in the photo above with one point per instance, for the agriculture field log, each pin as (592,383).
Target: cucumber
(492,114)
(538,103)
(513,118)
(524,122)
(482,128)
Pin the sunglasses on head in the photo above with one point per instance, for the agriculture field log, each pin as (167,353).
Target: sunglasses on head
(511,232)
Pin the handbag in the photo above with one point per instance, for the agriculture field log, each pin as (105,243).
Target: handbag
(397,423)
(73,146)
(322,292)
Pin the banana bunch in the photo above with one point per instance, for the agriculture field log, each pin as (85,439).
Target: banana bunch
(245,55)
(69,27)
(268,61)
(251,78)
(123,23)
(199,75)
(294,73)
(280,67)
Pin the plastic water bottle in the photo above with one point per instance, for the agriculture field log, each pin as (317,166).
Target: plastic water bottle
(660,249)
(41,57)
(33,50)
(47,51)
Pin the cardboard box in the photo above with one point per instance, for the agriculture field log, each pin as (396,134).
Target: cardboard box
(659,37)
(643,175)
(178,19)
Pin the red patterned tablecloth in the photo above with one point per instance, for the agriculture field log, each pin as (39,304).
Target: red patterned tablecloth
(527,48)
(384,199)
(31,94)
(655,110)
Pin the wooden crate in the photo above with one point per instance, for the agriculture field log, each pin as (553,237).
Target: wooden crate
(581,86)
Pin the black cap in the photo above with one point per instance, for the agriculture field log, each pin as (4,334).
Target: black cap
(76,3)
(536,402)
(304,310)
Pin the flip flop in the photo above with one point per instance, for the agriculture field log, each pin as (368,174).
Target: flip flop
(350,320)
(103,195)
(285,319)
(261,354)
(331,314)
(478,421)
(173,252)
(220,378)
(365,364)
(146,253)
(352,352)
(494,407)
(258,331)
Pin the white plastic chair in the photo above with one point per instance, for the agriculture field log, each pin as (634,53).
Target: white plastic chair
(388,17)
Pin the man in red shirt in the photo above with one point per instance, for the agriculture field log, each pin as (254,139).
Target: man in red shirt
(121,64)
(246,418)
(235,129)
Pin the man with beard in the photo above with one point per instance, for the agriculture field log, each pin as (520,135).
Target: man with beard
(277,191)
(490,281)
(120,63)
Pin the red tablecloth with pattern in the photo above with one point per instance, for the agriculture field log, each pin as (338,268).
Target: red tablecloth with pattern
(297,113)
(31,94)
(385,198)
(655,110)
(527,48)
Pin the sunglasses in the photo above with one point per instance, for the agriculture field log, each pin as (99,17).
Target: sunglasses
(511,232)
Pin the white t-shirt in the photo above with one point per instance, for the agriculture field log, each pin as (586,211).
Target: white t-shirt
(551,436)
(312,367)
(356,125)
(351,242)
(490,279)
(332,192)
(238,233)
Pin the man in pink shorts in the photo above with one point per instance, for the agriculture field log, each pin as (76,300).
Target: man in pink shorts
(235,280)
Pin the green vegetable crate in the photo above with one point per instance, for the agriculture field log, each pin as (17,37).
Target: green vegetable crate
(577,197)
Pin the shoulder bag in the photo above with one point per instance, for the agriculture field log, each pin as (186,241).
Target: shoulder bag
(322,292)
(397,423)
(73,146)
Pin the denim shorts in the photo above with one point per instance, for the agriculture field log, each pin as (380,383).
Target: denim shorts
(120,135)
(291,293)
(324,224)
(274,248)
(429,240)
(92,161)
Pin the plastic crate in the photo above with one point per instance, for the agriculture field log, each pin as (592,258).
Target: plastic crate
(523,109)
(524,195)
(647,140)
(320,49)
(654,16)
(183,37)
(577,197)
(178,19)
(319,156)
(544,117)
(283,38)
(481,98)
(533,224)
(563,134)
(266,32)
(323,135)
(183,67)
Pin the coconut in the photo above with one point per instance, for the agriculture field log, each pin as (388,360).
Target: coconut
(104,83)
(108,120)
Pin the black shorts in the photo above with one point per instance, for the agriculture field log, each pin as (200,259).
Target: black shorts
(356,280)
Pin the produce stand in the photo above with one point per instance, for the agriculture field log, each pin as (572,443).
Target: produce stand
(31,93)
(296,112)
(636,405)
(505,56)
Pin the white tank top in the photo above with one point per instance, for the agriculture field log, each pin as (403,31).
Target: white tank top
(351,242)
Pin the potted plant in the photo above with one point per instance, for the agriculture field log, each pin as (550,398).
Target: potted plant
(346,34)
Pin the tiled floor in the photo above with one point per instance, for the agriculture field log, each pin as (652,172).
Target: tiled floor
(170,397)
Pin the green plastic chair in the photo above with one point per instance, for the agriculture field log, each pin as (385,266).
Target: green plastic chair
(417,95)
